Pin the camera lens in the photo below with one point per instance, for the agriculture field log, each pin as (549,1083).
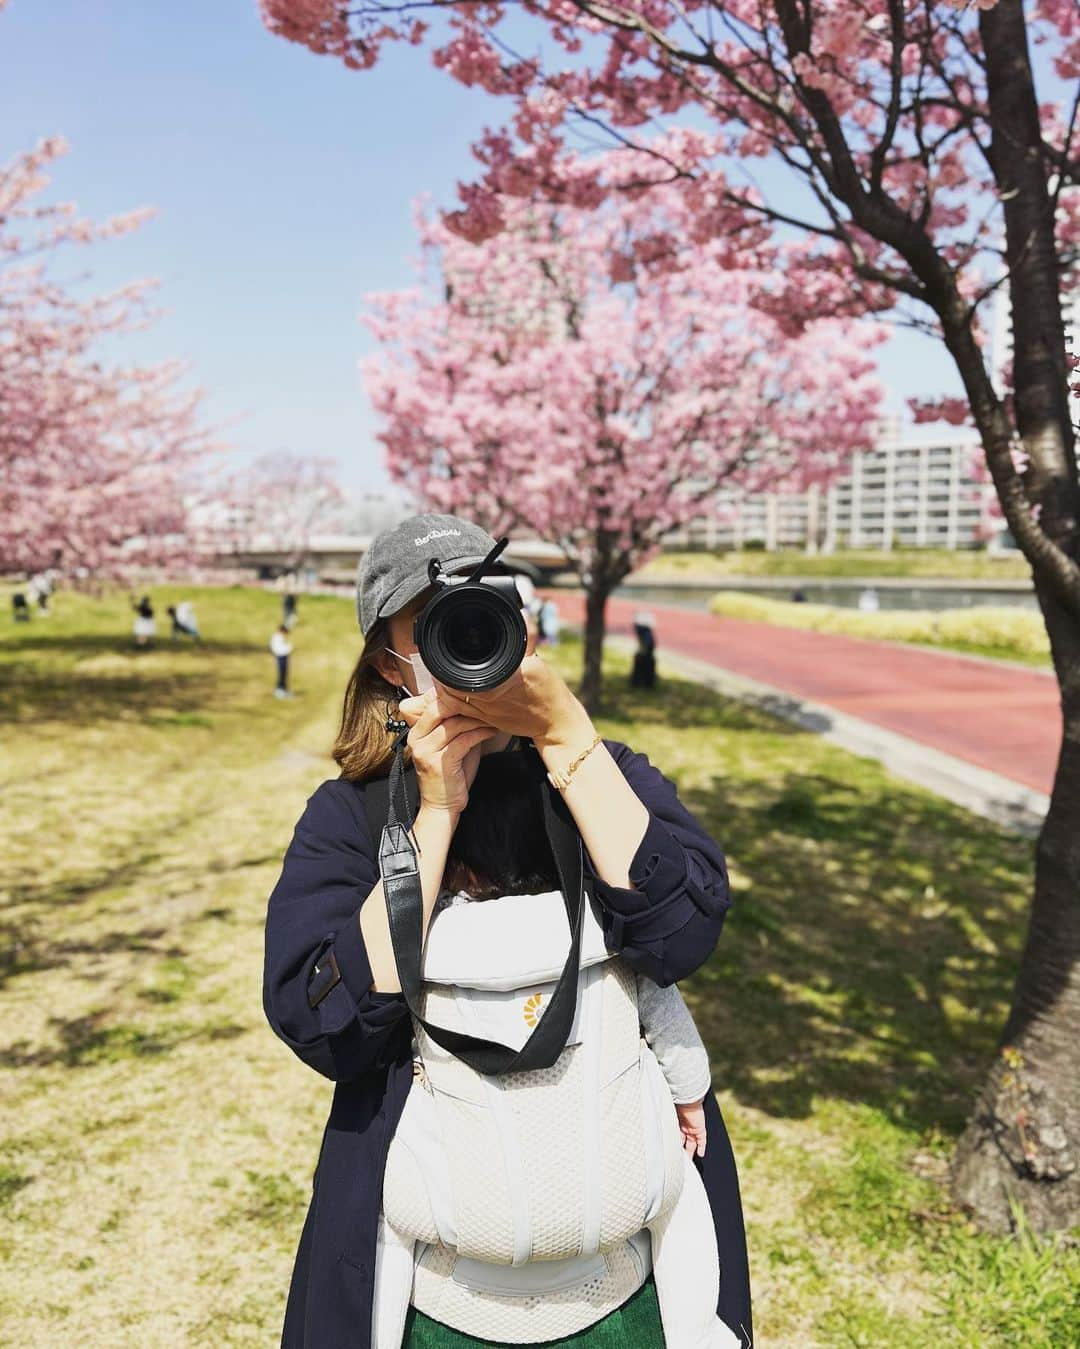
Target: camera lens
(472,635)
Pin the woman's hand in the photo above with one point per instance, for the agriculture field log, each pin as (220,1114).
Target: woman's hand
(445,750)
(535,703)
(692,1125)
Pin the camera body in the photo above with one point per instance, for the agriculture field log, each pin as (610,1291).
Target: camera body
(470,634)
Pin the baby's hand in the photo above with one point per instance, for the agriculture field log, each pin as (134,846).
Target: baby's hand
(692,1124)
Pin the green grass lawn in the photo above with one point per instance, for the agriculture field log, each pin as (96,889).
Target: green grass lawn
(157,1142)
(925,563)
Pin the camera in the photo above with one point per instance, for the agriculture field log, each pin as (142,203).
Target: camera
(470,634)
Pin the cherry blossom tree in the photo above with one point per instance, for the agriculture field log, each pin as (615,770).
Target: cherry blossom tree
(907,154)
(278,503)
(545,383)
(99,461)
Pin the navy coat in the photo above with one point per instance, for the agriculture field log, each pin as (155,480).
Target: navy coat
(665,926)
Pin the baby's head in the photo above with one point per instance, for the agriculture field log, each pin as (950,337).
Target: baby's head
(500,845)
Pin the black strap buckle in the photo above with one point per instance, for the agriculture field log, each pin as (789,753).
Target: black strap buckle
(323,978)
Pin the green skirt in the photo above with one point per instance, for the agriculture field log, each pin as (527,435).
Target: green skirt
(634,1325)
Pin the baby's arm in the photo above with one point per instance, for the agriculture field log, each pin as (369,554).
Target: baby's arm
(671,1034)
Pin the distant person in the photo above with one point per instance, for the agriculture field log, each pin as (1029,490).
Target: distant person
(548,623)
(533,610)
(645,629)
(868,600)
(798,596)
(20,610)
(288,612)
(40,589)
(527,592)
(185,612)
(183,621)
(531,602)
(643,674)
(145,628)
(281,649)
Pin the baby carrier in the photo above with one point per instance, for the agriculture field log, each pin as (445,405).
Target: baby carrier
(524,1203)
(539,1182)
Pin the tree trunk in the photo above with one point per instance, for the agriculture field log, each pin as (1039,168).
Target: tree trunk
(596,598)
(1040,374)
(1022,1146)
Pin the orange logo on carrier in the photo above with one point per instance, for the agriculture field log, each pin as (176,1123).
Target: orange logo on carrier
(532,1011)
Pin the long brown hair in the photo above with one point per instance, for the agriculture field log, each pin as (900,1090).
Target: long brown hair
(363,748)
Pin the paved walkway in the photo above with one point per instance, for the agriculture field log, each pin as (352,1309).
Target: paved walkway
(998,717)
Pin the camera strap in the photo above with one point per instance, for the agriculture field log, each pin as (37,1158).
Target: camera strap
(390,809)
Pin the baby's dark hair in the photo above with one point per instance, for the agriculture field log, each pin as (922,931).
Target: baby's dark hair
(500,845)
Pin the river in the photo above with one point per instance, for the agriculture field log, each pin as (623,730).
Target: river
(843,594)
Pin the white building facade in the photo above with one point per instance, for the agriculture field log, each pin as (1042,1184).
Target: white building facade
(907,492)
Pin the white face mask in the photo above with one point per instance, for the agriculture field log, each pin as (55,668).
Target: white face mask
(424,681)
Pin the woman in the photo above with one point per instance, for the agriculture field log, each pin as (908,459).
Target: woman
(330,982)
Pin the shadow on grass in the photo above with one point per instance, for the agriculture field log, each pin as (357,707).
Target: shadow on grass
(680,705)
(29,944)
(87,644)
(871,953)
(29,695)
(26,947)
(69,890)
(88,1040)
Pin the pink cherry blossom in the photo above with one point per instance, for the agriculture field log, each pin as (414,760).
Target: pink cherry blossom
(278,502)
(100,463)
(523,388)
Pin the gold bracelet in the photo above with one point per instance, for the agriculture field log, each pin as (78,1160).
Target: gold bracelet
(562,780)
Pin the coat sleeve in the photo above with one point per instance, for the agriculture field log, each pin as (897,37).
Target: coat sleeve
(668,921)
(313,914)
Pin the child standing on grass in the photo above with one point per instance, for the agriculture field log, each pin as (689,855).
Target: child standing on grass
(281,650)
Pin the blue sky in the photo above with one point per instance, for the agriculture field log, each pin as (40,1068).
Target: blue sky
(283,185)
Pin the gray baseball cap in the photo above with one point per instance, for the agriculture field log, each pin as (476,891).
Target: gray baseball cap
(394,570)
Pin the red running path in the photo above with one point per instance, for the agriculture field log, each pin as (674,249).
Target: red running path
(999,717)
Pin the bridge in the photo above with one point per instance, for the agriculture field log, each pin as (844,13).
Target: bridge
(334,557)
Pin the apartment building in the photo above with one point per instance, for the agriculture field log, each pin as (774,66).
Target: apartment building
(907,492)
